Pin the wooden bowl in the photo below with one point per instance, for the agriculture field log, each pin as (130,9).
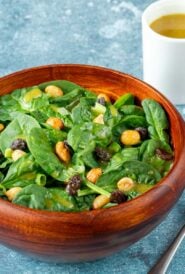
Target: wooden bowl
(74,237)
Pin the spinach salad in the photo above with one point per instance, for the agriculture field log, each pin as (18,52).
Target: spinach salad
(64,148)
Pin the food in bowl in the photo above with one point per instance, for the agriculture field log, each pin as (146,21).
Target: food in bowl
(64,148)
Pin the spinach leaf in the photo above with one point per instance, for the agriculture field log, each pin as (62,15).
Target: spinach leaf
(102,134)
(19,128)
(54,135)
(157,120)
(32,196)
(85,202)
(21,172)
(132,194)
(148,154)
(108,181)
(139,171)
(75,167)
(87,155)
(59,200)
(80,136)
(67,98)
(82,112)
(65,115)
(5,163)
(134,121)
(8,107)
(132,110)
(42,114)
(52,199)
(119,158)
(127,122)
(31,98)
(111,116)
(125,99)
(143,172)
(44,154)
(1,176)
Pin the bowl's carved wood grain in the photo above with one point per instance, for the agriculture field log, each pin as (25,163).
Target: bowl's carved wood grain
(90,235)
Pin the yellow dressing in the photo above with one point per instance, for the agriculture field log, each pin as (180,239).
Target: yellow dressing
(142,188)
(172,25)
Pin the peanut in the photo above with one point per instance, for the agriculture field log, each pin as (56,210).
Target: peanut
(125,184)
(94,174)
(105,96)
(100,201)
(12,192)
(53,91)
(130,137)
(16,154)
(62,152)
(1,127)
(55,123)
(99,119)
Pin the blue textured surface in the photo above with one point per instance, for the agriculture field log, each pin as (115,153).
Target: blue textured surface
(106,33)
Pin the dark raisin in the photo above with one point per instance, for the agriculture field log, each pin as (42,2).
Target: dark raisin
(66,144)
(102,154)
(164,155)
(143,132)
(19,144)
(117,197)
(101,101)
(74,185)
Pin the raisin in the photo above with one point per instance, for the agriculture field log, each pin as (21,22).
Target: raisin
(101,101)
(164,155)
(118,197)
(74,185)
(19,144)
(143,132)
(102,154)
(68,146)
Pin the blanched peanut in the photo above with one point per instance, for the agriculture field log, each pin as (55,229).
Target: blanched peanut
(53,91)
(94,174)
(99,119)
(125,184)
(12,192)
(1,127)
(62,152)
(16,154)
(100,201)
(130,137)
(105,96)
(55,123)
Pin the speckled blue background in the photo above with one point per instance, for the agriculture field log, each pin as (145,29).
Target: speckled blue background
(100,32)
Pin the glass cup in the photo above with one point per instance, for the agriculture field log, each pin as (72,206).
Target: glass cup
(164,57)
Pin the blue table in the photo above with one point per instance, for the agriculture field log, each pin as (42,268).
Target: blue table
(106,33)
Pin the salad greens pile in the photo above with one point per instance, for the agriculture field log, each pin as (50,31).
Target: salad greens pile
(64,148)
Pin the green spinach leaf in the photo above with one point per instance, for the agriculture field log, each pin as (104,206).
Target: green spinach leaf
(21,172)
(44,154)
(20,127)
(125,99)
(157,120)
(119,158)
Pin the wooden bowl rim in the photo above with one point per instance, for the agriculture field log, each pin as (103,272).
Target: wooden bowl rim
(93,213)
